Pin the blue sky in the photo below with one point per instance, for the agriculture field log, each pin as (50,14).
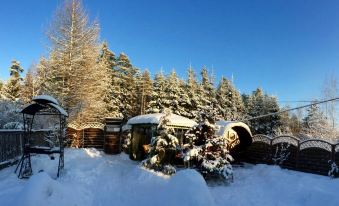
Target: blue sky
(288,47)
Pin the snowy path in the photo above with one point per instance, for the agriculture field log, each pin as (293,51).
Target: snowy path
(92,178)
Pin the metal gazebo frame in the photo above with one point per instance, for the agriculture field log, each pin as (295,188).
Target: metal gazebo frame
(41,105)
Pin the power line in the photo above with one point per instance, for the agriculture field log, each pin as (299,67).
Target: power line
(287,110)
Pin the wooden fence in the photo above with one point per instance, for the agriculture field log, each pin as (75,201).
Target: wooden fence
(99,138)
(312,156)
(11,144)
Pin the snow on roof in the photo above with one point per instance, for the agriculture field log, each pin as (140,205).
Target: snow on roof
(60,109)
(174,120)
(45,99)
(224,125)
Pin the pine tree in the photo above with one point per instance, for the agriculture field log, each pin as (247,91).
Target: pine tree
(126,75)
(41,77)
(28,87)
(191,95)
(208,102)
(74,75)
(173,91)
(163,148)
(262,104)
(145,88)
(1,87)
(107,61)
(11,90)
(208,152)
(230,105)
(157,104)
(315,124)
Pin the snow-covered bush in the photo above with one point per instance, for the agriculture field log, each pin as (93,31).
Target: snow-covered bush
(10,117)
(163,149)
(334,171)
(126,141)
(281,154)
(207,152)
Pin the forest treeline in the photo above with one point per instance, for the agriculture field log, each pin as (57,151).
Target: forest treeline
(92,82)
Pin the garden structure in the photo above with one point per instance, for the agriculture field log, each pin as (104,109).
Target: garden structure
(42,105)
(144,127)
(237,134)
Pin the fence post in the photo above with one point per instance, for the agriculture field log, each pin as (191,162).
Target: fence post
(270,152)
(297,155)
(333,152)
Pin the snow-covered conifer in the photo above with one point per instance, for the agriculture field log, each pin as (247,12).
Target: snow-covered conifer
(208,152)
(107,61)
(315,124)
(207,94)
(145,89)
(11,90)
(28,87)
(191,98)
(262,104)
(230,105)
(164,148)
(157,104)
(127,80)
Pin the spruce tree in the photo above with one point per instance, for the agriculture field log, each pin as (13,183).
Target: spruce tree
(145,89)
(127,81)
(107,61)
(230,105)
(157,104)
(41,77)
(262,104)
(208,102)
(315,124)
(28,87)
(173,91)
(191,89)
(11,90)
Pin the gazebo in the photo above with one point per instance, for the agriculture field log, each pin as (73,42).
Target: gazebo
(42,105)
(144,127)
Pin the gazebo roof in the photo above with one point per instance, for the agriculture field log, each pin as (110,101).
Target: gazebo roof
(43,102)
(44,99)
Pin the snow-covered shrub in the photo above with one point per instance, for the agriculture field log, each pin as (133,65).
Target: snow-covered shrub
(10,116)
(126,142)
(207,152)
(281,154)
(13,125)
(163,148)
(334,171)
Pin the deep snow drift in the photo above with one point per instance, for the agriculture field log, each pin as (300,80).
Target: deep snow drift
(92,178)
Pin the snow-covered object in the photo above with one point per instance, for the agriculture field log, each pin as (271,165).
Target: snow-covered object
(45,99)
(224,126)
(60,109)
(163,148)
(208,152)
(174,120)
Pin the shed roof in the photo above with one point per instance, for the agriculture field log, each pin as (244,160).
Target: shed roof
(174,120)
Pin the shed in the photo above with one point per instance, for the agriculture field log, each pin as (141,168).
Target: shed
(238,134)
(144,127)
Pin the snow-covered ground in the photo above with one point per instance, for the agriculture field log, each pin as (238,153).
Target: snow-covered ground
(92,178)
